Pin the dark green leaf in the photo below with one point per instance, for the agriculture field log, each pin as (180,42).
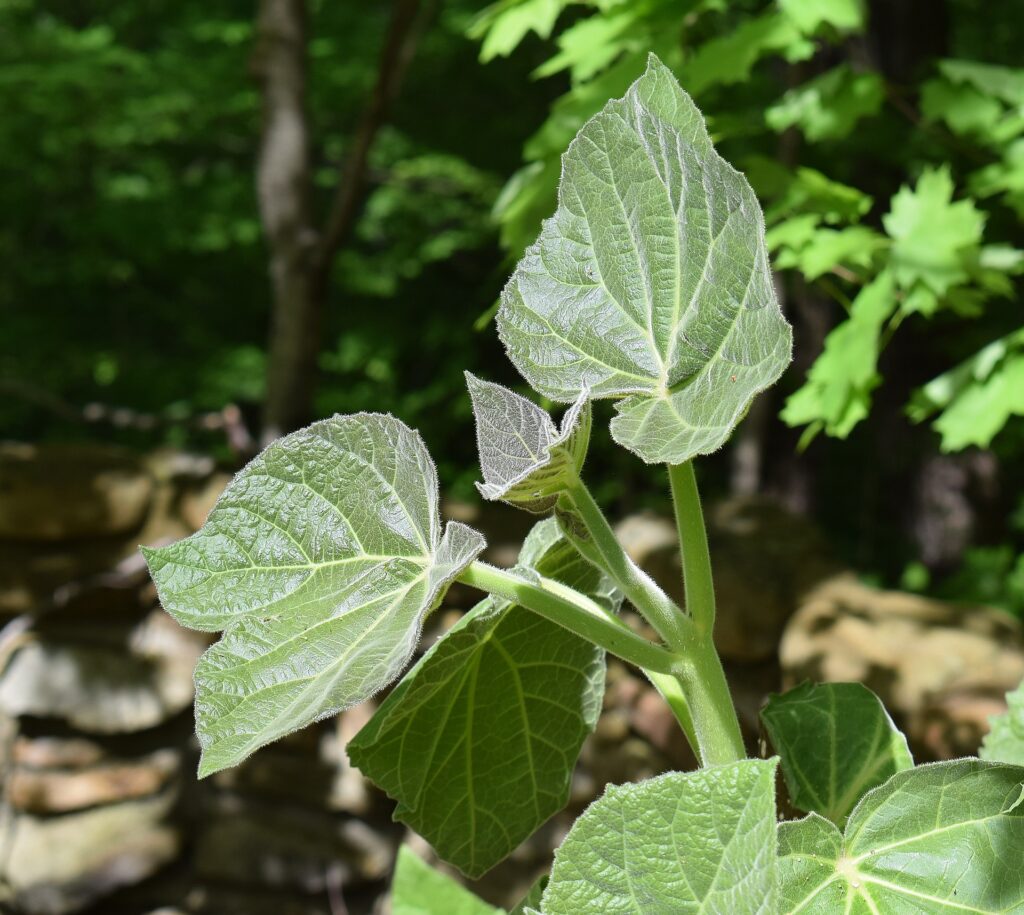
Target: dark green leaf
(836,742)
(478,742)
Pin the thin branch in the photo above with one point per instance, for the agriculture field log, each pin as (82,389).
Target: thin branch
(399,46)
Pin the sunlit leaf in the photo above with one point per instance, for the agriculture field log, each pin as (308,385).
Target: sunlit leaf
(1005,741)
(319,561)
(932,236)
(700,842)
(418,889)
(945,837)
(810,15)
(828,107)
(651,282)
(525,460)
(837,393)
(478,741)
(836,742)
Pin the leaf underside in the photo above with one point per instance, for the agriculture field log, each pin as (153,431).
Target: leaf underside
(702,842)
(651,281)
(479,740)
(319,561)
(944,837)
(525,460)
(836,742)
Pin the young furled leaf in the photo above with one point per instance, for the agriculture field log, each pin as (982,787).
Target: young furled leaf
(478,742)
(651,281)
(418,889)
(693,843)
(836,742)
(319,561)
(944,837)
(1005,741)
(525,460)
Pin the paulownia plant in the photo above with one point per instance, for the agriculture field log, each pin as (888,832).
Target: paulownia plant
(649,286)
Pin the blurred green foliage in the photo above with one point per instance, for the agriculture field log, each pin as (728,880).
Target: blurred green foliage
(884,137)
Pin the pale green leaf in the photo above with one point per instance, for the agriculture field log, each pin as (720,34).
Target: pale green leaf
(810,15)
(977,397)
(651,282)
(933,238)
(837,393)
(479,740)
(729,58)
(836,742)
(941,838)
(418,889)
(319,561)
(828,107)
(824,250)
(1004,83)
(1005,741)
(809,191)
(702,842)
(964,109)
(504,25)
(525,460)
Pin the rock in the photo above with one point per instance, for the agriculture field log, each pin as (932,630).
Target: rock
(60,864)
(105,689)
(65,492)
(653,720)
(764,559)
(291,847)
(60,791)
(940,669)
(198,499)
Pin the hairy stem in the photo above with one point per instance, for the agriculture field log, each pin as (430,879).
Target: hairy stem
(573,611)
(638,587)
(715,725)
(693,544)
(671,690)
(703,682)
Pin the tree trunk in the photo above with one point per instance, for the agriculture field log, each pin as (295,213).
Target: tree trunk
(284,190)
(300,255)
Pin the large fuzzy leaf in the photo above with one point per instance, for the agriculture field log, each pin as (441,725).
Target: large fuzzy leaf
(319,561)
(651,281)
(945,837)
(525,460)
(686,844)
(479,740)
(836,743)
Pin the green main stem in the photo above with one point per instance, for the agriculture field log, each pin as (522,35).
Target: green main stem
(573,611)
(693,544)
(704,685)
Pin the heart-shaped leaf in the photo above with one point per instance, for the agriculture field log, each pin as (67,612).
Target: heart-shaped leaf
(479,740)
(418,889)
(319,561)
(1005,742)
(836,743)
(703,842)
(651,281)
(945,837)
(525,460)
